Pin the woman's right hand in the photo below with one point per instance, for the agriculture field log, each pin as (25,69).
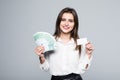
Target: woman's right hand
(39,51)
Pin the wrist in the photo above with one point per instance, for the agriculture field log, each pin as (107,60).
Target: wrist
(42,59)
(41,55)
(89,56)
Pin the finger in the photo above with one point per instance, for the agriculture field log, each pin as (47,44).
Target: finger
(89,51)
(38,51)
(89,46)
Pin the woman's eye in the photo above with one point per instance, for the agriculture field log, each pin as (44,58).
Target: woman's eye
(63,19)
(70,20)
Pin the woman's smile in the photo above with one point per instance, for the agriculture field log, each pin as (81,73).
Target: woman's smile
(66,27)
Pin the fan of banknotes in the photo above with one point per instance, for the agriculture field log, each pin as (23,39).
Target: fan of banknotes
(45,39)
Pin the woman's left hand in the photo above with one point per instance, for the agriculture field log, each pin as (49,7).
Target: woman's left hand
(89,49)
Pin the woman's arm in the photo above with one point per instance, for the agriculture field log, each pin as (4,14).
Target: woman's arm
(89,49)
(86,57)
(42,58)
(43,61)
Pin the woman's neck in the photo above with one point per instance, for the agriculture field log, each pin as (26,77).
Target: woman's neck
(65,37)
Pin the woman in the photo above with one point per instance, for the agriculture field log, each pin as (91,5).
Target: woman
(69,60)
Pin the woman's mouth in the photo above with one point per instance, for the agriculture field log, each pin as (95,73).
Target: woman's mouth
(66,27)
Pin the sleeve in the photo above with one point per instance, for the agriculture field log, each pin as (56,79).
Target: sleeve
(45,65)
(84,61)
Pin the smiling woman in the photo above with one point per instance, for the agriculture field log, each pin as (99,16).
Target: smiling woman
(67,23)
(69,59)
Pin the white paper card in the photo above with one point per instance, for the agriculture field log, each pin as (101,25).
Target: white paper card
(82,41)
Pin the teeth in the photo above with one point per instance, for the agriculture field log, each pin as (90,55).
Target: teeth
(65,27)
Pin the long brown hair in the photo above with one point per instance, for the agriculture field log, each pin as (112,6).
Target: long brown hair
(74,32)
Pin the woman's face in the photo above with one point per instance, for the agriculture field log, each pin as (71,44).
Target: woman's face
(67,23)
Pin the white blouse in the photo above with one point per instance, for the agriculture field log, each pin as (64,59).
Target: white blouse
(65,59)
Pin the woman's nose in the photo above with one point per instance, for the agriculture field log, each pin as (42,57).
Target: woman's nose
(66,23)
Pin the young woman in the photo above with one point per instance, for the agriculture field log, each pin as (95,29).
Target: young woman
(69,60)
